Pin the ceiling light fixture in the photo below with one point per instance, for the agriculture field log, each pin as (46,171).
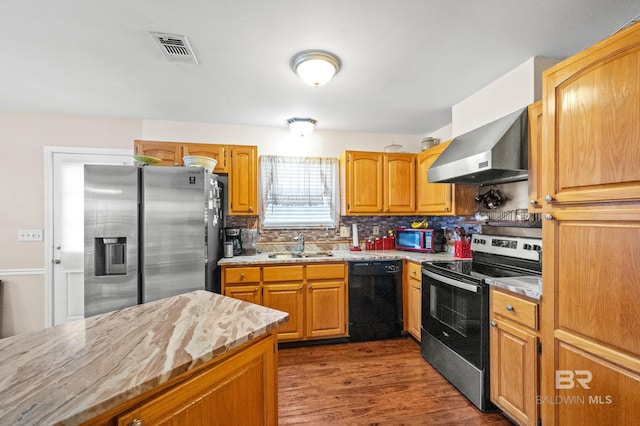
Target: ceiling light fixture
(302,127)
(315,67)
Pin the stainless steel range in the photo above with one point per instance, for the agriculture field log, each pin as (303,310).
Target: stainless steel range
(455,307)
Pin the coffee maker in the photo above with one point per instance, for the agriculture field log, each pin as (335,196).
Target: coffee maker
(233,235)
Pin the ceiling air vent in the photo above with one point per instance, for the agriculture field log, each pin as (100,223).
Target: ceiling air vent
(175,47)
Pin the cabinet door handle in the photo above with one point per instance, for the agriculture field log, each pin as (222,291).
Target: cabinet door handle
(250,208)
(548,216)
(242,276)
(532,202)
(136,422)
(416,287)
(510,308)
(493,324)
(548,198)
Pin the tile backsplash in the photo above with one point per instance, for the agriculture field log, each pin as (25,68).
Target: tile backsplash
(365,227)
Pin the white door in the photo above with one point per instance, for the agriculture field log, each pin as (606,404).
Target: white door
(66,236)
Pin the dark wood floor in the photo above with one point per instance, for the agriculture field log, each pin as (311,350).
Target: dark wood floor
(383,382)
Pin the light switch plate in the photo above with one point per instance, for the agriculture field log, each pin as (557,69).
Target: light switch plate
(344,231)
(30,235)
(376,230)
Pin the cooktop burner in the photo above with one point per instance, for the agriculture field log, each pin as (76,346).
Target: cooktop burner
(495,257)
(478,270)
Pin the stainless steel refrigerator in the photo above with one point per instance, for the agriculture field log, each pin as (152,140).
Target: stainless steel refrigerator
(149,233)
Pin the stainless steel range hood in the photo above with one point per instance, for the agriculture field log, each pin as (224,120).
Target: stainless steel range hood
(494,153)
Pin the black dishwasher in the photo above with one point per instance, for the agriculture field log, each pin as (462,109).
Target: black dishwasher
(375,300)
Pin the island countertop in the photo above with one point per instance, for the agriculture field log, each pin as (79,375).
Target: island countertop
(73,372)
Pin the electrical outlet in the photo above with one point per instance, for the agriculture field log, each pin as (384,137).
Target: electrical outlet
(30,235)
(376,230)
(344,231)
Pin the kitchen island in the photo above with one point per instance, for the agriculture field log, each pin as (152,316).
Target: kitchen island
(139,360)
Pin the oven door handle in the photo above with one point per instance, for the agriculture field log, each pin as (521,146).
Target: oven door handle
(446,280)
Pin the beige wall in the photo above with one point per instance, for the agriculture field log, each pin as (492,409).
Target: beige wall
(23,137)
(277,140)
(22,140)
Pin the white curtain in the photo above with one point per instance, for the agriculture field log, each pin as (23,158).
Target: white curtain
(299,192)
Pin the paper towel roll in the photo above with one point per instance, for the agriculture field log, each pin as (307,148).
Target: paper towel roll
(356,243)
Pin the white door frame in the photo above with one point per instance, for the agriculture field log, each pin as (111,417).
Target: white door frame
(49,152)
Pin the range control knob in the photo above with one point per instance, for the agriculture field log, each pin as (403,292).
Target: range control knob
(537,247)
(527,246)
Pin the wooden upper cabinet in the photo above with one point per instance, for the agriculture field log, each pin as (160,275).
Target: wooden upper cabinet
(243,181)
(399,179)
(443,199)
(217,152)
(363,182)
(169,152)
(535,157)
(591,111)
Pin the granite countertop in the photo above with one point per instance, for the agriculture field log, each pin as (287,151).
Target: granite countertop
(527,285)
(339,256)
(73,372)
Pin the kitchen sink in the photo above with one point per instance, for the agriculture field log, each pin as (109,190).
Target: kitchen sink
(315,254)
(299,255)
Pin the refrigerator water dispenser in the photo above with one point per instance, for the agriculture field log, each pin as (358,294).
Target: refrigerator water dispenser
(110,256)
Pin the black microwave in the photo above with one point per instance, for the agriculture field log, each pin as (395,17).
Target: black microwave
(423,240)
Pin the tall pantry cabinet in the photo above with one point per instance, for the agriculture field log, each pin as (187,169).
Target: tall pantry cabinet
(590,326)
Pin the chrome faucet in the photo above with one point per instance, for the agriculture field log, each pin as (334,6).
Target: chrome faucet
(300,239)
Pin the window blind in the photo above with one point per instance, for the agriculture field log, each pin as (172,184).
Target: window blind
(298,192)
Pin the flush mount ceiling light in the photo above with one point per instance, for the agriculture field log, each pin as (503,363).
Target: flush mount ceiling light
(315,67)
(302,127)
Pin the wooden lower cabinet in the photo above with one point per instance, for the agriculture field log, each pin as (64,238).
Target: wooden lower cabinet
(243,283)
(248,293)
(283,289)
(240,389)
(314,296)
(514,356)
(413,297)
(326,305)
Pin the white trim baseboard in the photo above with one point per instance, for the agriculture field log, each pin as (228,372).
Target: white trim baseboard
(18,272)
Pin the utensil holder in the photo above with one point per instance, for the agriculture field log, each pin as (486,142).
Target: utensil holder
(462,249)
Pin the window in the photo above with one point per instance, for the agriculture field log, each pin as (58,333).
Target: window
(298,192)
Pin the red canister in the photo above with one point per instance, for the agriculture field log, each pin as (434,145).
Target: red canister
(378,244)
(386,243)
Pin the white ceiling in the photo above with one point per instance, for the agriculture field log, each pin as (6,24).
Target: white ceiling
(405,62)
